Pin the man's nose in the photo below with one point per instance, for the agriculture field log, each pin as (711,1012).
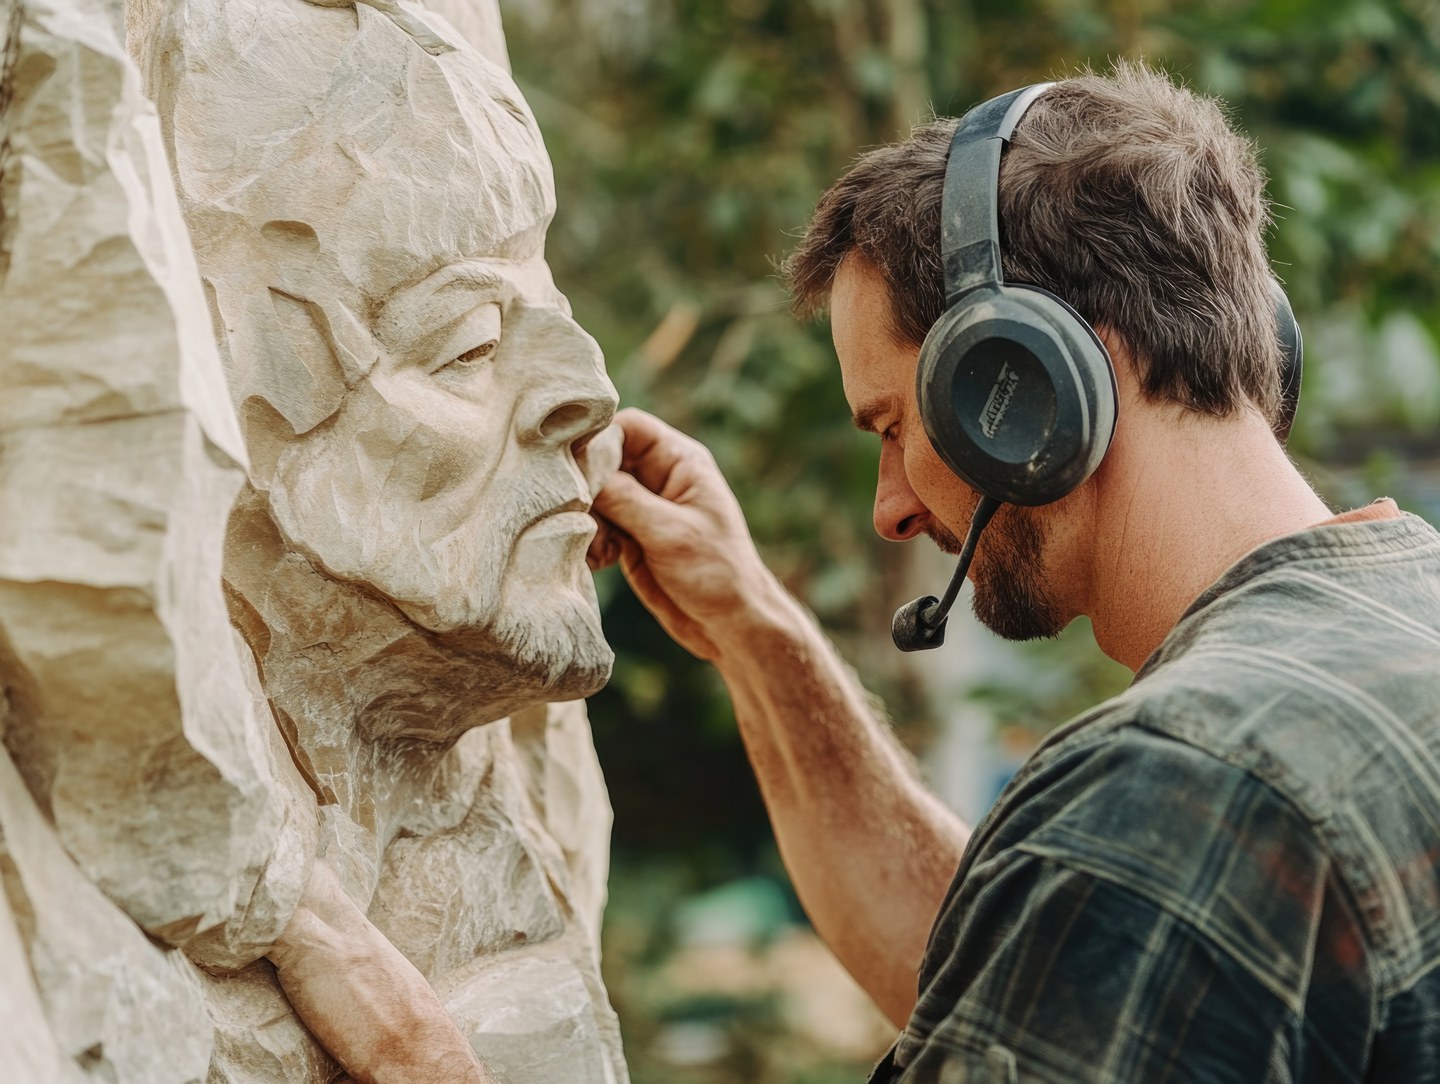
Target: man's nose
(899,513)
(575,398)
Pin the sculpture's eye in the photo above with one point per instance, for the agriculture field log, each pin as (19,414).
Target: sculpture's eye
(473,342)
(479,353)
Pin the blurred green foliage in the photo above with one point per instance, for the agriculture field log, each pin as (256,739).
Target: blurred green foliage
(691,139)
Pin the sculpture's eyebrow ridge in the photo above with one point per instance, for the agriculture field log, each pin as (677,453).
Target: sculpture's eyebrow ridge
(471,275)
(430,304)
(466,274)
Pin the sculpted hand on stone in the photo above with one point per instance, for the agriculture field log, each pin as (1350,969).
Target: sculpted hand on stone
(425,425)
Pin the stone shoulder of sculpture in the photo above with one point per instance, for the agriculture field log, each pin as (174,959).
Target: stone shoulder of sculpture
(404,559)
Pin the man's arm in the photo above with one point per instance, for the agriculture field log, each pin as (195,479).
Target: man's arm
(362,999)
(870,850)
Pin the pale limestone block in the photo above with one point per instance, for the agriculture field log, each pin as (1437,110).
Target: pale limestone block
(478,22)
(145,747)
(521,1011)
(28,1048)
(403,563)
(407,564)
(115,1007)
(135,725)
(569,791)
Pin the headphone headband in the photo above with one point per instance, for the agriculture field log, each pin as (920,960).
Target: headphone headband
(970,223)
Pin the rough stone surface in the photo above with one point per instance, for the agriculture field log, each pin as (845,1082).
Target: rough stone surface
(115,1007)
(292,533)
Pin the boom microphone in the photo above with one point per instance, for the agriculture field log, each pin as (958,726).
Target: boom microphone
(920,625)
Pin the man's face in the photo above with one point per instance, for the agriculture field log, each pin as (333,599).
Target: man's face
(457,477)
(915,492)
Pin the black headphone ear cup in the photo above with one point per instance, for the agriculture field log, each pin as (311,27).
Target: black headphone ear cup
(1292,360)
(1017,394)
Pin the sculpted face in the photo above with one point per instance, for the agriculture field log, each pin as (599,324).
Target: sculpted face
(418,403)
(457,476)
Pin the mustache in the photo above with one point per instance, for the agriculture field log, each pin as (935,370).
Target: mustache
(942,538)
(522,503)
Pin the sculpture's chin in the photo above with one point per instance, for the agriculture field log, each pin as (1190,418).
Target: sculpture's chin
(542,644)
(555,634)
(549,628)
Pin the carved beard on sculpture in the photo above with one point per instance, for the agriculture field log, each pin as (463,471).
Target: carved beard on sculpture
(417,402)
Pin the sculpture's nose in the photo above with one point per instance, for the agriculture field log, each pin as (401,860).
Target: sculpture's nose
(573,399)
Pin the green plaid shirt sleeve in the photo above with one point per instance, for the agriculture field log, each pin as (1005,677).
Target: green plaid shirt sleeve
(1146,913)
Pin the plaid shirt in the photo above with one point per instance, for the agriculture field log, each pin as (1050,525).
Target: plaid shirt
(1229,872)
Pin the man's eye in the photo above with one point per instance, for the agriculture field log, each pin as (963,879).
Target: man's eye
(477,354)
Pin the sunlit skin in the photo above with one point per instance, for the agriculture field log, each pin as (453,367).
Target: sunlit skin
(1010,570)
(871,852)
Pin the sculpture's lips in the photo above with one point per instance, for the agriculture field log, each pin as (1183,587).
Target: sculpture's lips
(551,551)
(562,523)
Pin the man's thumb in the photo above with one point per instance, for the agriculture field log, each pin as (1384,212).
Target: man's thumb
(629,505)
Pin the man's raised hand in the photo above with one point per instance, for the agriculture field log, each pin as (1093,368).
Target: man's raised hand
(670,519)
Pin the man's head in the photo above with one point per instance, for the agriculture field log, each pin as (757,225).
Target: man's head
(416,399)
(1125,195)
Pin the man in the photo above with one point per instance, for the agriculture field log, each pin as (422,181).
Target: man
(1225,873)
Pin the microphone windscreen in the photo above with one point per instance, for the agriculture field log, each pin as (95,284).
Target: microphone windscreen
(910,630)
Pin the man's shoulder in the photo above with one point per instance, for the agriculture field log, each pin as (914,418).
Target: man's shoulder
(1292,721)
(1129,859)
(1316,670)
(1129,801)
(1191,833)
(1336,603)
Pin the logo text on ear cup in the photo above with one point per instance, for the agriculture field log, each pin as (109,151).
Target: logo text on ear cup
(999,400)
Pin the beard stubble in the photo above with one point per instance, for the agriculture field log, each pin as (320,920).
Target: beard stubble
(1010,597)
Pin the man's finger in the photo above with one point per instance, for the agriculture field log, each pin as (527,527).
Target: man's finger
(652,448)
(630,506)
(662,607)
(604,548)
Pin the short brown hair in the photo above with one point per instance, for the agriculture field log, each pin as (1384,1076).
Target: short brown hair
(1125,194)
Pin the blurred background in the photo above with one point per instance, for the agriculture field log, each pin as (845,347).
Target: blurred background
(691,139)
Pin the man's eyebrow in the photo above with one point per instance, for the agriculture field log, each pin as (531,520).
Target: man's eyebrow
(867,417)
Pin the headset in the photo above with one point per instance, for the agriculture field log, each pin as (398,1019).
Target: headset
(1016,391)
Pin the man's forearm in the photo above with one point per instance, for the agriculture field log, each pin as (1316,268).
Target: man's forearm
(871,851)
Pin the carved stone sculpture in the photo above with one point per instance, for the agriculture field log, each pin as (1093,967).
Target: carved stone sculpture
(356,623)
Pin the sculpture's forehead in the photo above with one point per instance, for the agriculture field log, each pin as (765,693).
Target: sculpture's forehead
(399,161)
(329,161)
